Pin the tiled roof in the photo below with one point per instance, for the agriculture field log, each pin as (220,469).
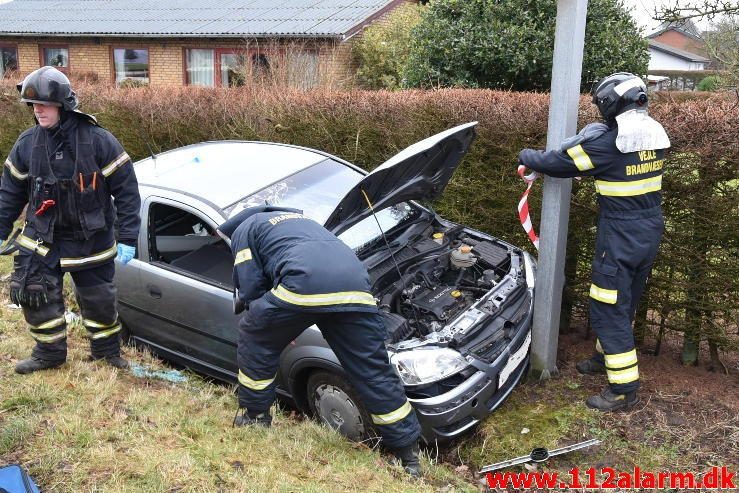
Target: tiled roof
(189,18)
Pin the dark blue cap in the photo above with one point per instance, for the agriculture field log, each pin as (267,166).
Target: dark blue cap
(227,228)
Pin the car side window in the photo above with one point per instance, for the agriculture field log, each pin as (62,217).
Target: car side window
(188,243)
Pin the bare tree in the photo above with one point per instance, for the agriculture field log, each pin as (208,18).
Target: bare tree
(722,43)
(679,10)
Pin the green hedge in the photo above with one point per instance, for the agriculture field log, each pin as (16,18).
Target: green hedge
(695,286)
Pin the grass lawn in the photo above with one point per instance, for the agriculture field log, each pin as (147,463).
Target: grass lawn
(88,428)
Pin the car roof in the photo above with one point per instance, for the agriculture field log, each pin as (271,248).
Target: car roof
(223,172)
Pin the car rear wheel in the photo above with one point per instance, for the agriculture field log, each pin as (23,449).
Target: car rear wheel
(334,401)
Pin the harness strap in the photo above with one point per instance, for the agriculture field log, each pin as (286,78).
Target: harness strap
(10,247)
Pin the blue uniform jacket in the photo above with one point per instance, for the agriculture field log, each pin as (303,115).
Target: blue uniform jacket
(116,173)
(298,264)
(624,181)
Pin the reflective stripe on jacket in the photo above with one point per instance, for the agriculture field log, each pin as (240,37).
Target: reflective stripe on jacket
(298,264)
(624,181)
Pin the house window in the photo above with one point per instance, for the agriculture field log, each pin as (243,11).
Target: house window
(224,67)
(200,67)
(232,69)
(56,56)
(260,66)
(8,60)
(131,64)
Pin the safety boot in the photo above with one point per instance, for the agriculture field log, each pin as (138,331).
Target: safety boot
(117,362)
(33,364)
(591,366)
(608,400)
(409,459)
(114,361)
(246,418)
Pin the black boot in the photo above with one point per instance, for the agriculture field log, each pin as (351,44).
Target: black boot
(114,361)
(609,400)
(591,366)
(245,418)
(33,364)
(408,457)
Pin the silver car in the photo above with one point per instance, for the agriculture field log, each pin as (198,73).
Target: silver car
(457,302)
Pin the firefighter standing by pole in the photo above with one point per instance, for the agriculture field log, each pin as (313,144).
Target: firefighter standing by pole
(67,169)
(626,156)
(290,272)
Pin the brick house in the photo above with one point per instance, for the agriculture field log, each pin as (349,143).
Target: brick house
(684,36)
(187,42)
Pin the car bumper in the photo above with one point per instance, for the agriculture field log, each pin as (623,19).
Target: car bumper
(452,413)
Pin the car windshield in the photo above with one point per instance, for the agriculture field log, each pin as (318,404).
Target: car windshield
(317,191)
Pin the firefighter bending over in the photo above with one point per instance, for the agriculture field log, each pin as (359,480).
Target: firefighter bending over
(292,273)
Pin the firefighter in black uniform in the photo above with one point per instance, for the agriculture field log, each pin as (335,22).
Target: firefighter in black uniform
(66,170)
(626,156)
(292,273)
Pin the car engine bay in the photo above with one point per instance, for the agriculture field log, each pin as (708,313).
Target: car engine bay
(424,286)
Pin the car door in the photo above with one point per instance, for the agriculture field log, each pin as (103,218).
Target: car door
(184,293)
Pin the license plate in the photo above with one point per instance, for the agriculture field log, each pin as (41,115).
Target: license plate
(514,361)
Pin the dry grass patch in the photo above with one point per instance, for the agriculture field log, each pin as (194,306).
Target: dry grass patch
(86,427)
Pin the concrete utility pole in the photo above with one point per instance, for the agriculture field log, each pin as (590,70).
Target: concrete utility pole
(569,39)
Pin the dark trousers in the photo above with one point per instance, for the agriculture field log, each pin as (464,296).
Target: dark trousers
(96,296)
(357,339)
(625,250)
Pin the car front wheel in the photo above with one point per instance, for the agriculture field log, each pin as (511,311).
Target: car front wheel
(334,401)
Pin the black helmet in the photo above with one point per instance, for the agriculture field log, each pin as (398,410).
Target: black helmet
(618,93)
(49,86)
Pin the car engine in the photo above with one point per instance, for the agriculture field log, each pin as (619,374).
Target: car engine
(433,280)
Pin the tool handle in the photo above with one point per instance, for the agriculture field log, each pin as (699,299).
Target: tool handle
(45,206)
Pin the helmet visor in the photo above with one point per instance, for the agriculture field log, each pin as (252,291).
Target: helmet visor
(38,101)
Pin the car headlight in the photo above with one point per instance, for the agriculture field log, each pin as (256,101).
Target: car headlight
(530,267)
(420,366)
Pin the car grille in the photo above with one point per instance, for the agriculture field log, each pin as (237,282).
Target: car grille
(488,350)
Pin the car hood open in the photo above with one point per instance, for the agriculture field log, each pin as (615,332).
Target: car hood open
(418,172)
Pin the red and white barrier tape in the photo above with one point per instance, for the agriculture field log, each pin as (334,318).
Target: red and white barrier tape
(523,205)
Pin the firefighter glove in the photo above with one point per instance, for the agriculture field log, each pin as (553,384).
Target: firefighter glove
(125,253)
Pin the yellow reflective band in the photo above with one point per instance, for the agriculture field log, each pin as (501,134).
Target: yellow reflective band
(623,376)
(37,247)
(243,256)
(51,324)
(629,188)
(14,171)
(581,158)
(621,360)
(609,296)
(49,338)
(97,325)
(394,416)
(598,347)
(254,384)
(339,298)
(109,168)
(97,257)
(104,333)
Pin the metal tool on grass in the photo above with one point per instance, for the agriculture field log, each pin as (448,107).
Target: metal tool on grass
(540,454)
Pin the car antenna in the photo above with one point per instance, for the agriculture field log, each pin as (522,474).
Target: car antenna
(151,151)
(387,243)
(153,157)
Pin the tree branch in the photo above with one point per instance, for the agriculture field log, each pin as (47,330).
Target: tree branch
(680,12)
